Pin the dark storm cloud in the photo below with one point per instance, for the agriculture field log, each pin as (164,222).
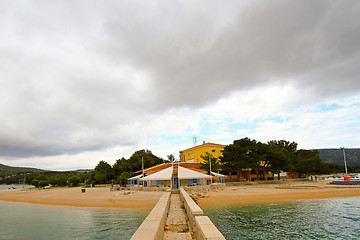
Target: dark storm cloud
(86,75)
(313,43)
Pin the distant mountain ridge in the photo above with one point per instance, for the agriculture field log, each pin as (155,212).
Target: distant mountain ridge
(336,156)
(8,170)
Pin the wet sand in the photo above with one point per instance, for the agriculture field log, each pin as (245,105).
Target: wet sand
(267,193)
(93,197)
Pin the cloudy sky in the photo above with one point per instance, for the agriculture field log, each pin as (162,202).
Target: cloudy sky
(84,81)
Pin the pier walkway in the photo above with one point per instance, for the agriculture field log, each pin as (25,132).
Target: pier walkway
(177,226)
(177,217)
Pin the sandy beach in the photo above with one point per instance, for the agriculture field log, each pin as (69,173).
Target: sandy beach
(242,194)
(93,197)
(280,192)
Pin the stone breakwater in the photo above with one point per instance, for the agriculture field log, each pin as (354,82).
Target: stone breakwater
(198,192)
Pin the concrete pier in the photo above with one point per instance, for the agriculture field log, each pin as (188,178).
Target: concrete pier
(177,226)
(177,216)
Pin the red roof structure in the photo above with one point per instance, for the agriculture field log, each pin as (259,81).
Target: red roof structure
(159,167)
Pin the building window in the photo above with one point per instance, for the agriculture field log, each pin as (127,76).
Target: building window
(191,154)
(213,150)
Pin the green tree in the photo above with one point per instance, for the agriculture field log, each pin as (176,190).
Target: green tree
(171,158)
(53,180)
(62,180)
(74,180)
(104,168)
(257,157)
(39,181)
(35,182)
(308,162)
(328,168)
(123,178)
(275,158)
(121,165)
(206,163)
(100,177)
(289,149)
(236,155)
(43,183)
(134,163)
(83,176)
(149,160)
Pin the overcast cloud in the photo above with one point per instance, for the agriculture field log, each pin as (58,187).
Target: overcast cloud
(83,81)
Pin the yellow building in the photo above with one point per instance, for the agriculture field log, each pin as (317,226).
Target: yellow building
(193,154)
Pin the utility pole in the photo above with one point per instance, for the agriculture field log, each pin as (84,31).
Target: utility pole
(210,159)
(142,167)
(346,172)
(24,179)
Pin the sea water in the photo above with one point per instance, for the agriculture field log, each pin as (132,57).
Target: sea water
(334,218)
(37,221)
(15,186)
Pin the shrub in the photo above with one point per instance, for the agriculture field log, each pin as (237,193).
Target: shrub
(74,181)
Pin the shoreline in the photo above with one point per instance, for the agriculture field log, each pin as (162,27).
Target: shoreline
(93,197)
(273,193)
(251,193)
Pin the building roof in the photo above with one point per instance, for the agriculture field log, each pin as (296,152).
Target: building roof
(185,173)
(218,174)
(164,174)
(159,167)
(204,144)
(136,177)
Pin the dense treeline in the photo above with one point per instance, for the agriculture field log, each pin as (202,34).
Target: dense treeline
(41,179)
(276,155)
(103,172)
(123,168)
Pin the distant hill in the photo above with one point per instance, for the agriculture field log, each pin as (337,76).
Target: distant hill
(335,155)
(7,170)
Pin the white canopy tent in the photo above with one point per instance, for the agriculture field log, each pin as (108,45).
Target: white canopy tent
(135,179)
(191,175)
(185,173)
(165,174)
(219,176)
(188,176)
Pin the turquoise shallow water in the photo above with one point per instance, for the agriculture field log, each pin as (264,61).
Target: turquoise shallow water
(36,221)
(335,218)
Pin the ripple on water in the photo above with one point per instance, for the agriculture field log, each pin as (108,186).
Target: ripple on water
(35,221)
(335,218)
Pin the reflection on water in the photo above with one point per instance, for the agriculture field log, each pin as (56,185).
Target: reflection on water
(314,219)
(35,221)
